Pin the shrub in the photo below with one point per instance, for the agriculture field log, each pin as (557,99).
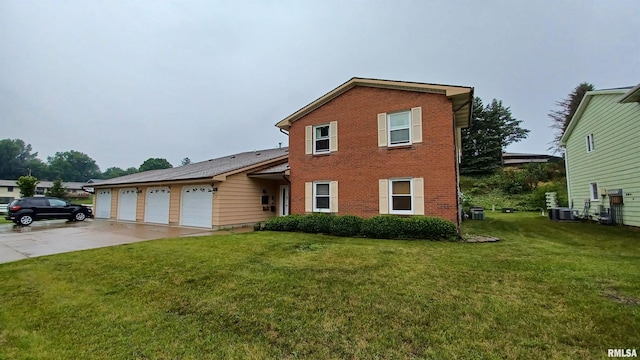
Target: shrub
(346,225)
(383,227)
(432,228)
(283,223)
(315,223)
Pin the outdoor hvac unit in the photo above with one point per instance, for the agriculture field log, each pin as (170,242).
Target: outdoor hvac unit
(565,214)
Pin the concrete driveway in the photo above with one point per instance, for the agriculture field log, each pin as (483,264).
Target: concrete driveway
(55,237)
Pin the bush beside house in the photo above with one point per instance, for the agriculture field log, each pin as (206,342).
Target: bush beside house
(377,227)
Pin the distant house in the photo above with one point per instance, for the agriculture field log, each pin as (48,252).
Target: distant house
(9,189)
(372,147)
(516,160)
(234,190)
(602,152)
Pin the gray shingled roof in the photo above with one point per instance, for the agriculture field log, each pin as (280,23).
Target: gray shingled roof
(274,169)
(46,184)
(201,170)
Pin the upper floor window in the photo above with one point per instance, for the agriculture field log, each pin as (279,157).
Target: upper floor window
(400,128)
(590,143)
(321,139)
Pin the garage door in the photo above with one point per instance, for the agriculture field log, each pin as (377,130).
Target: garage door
(156,205)
(196,206)
(103,204)
(127,204)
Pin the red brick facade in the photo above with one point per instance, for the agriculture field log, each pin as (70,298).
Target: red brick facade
(359,163)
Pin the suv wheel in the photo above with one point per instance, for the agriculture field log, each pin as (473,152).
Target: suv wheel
(25,220)
(80,216)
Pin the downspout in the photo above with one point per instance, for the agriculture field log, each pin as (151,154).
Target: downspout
(457,158)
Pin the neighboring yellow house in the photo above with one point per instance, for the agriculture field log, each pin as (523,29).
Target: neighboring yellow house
(231,191)
(9,189)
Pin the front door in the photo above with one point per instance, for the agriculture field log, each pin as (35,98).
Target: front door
(284,200)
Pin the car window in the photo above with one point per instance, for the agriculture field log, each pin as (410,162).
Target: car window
(39,202)
(57,203)
(14,202)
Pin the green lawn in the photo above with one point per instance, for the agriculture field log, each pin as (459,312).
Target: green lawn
(546,290)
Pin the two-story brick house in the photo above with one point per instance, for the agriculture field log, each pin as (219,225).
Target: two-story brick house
(372,147)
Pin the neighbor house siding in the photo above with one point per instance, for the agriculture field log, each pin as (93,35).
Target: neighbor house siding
(613,162)
(360,162)
(238,200)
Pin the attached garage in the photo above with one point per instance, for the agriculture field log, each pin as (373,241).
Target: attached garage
(103,204)
(228,191)
(196,206)
(127,204)
(156,205)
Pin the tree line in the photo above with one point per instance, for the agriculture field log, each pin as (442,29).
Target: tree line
(492,129)
(17,159)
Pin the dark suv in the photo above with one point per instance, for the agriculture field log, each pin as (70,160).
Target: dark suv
(27,210)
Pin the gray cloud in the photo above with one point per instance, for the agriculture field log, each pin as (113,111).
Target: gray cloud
(124,81)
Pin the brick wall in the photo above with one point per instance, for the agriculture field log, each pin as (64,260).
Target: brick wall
(359,163)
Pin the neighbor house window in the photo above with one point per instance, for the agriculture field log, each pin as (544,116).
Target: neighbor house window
(593,189)
(399,128)
(590,143)
(401,196)
(321,196)
(9,188)
(321,139)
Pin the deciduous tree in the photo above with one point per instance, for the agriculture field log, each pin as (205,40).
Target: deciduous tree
(154,164)
(27,185)
(72,166)
(15,157)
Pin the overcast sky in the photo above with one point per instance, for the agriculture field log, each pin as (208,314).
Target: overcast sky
(123,81)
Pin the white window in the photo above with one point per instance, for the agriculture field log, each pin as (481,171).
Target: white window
(593,190)
(400,128)
(321,197)
(590,143)
(401,196)
(399,125)
(321,139)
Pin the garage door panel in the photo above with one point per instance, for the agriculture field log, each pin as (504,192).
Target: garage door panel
(196,206)
(127,204)
(103,204)
(157,203)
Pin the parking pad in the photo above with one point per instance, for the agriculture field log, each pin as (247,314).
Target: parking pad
(58,236)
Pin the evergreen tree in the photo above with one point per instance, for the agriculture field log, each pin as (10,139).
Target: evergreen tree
(492,129)
(560,118)
(186,161)
(57,190)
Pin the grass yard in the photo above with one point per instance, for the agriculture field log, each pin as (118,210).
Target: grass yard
(546,290)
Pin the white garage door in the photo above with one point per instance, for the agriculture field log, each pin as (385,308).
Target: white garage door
(156,205)
(196,206)
(127,204)
(103,204)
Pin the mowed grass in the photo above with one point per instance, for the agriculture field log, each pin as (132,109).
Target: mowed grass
(546,290)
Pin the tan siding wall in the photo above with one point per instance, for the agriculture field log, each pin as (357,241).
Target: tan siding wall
(140,204)
(114,203)
(238,200)
(174,204)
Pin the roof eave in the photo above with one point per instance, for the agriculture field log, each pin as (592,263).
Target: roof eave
(451,91)
(632,95)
